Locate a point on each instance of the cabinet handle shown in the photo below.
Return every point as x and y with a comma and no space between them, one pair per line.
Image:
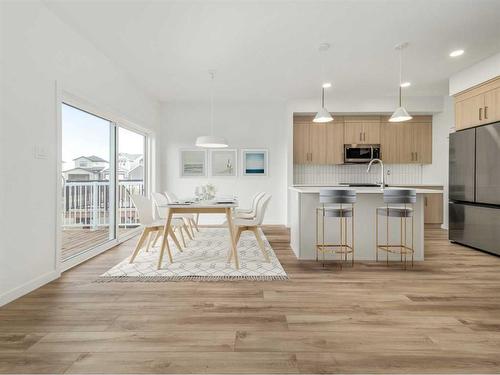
486,112
412,156
364,136
416,156
425,201
480,113
360,136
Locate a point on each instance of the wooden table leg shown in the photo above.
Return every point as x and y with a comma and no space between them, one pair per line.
232,239
164,242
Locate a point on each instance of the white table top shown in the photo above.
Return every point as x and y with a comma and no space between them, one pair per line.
204,204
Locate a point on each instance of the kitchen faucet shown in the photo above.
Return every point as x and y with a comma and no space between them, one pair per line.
382,182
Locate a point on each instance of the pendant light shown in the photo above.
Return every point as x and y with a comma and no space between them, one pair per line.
400,114
211,141
323,115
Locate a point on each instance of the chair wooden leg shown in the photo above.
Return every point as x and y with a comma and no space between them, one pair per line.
158,235
186,229
179,229
256,232
164,243
141,241
174,238
191,226
150,239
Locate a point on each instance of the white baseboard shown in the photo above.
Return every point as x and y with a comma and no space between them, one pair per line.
28,287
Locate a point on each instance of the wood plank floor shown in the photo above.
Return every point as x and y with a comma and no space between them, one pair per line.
441,317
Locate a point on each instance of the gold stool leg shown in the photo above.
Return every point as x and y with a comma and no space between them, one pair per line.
323,238
387,238
317,229
352,236
376,235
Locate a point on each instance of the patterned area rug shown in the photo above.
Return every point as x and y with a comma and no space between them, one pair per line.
204,259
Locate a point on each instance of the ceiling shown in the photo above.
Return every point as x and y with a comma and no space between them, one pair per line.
268,50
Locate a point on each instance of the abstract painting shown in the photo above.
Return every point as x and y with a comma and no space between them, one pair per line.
223,163
193,163
254,162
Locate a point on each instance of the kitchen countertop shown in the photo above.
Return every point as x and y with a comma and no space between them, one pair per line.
359,190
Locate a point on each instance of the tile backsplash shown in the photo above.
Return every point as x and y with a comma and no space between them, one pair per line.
356,173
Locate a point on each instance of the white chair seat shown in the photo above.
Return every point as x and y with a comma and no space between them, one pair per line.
244,215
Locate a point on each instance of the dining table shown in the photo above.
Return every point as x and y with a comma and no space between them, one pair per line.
200,207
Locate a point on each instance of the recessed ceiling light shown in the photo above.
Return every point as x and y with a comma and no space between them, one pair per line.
327,85
456,53
406,84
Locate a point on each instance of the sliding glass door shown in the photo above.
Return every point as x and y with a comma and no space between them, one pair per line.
103,165
131,177
87,181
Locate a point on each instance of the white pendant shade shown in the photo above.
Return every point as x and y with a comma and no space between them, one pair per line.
323,116
400,115
211,141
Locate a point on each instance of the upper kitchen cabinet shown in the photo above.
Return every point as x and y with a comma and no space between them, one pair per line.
478,106
362,130
407,142
317,143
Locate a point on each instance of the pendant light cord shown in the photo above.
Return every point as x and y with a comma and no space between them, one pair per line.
212,76
400,73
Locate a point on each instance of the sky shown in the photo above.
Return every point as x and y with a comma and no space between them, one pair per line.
84,134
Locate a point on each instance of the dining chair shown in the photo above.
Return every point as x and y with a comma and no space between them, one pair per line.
253,225
161,202
150,226
188,218
249,213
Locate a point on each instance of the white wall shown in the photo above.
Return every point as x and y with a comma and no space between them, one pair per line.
437,172
37,49
245,125
478,73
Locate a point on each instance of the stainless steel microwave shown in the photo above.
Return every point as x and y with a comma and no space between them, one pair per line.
361,153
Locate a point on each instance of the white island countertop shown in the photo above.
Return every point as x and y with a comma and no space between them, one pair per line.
359,190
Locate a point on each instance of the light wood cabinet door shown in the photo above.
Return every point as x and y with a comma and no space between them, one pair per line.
407,142
469,112
362,130
433,208
317,143
371,132
335,143
301,154
492,106
421,143
353,133
396,143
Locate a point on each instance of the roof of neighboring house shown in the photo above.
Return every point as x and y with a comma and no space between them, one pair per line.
90,170
92,158
130,157
137,166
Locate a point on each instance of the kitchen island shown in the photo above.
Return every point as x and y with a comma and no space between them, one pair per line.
305,200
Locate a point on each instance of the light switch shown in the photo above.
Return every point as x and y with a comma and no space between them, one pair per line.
41,152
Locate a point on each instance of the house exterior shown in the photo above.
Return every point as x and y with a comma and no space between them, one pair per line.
94,168
87,168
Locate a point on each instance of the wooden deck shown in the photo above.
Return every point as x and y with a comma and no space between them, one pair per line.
441,317
74,241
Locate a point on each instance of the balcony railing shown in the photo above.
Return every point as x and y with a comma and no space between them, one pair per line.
86,204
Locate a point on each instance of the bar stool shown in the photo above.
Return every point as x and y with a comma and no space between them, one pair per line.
405,197
327,198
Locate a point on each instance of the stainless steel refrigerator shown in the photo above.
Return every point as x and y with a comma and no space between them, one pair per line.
474,188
